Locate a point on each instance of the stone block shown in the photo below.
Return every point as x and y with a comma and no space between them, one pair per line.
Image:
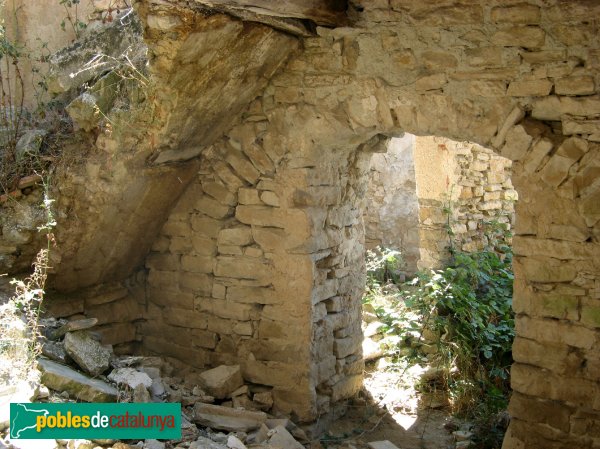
88,353
242,268
431,82
185,318
575,85
545,270
220,193
203,246
590,312
555,332
537,410
204,338
343,347
533,88
270,198
198,283
517,36
242,166
253,295
62,378
212,207
197,264
225,308
259,158
346,388
227,418
539,150
520,13
221,381
240,236
205,226
249,197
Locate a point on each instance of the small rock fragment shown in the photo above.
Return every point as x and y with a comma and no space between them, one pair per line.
130,377
234,442
153,444
140,394
280,437
75,325
384,444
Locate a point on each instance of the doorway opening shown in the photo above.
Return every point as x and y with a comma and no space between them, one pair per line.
437,315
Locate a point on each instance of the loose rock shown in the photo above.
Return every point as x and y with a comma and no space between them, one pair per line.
62,378
221,381
225,418
89,354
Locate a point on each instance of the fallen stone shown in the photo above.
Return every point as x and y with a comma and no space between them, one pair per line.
153,444
371,350
140,394
80,444
280,437
29,143
88,353
385,444
263,400
243,401
62,378
373,328
225,418
206,443
157,389
75,325
221,381
189,431
234,442
260,436
462,435
55,350
130,377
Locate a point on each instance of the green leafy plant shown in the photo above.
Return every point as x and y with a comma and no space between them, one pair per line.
458,319
71,18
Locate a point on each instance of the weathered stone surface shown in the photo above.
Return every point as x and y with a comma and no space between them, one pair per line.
130,377
56,351
221,381
74,325
62,378
87,352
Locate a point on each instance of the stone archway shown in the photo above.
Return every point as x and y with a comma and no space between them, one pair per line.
260,261
278,202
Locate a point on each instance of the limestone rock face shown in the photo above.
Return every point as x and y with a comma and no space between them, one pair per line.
87,352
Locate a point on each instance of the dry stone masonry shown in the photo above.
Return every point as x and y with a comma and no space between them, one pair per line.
252,251
422,185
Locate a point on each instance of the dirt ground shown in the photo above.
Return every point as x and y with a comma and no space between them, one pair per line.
391,409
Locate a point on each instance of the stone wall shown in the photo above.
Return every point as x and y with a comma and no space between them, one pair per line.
463,187
392,212
419,179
